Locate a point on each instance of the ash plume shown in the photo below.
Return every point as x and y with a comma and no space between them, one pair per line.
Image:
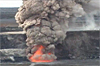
46,22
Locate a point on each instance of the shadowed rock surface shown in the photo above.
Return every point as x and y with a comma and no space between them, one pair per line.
77,45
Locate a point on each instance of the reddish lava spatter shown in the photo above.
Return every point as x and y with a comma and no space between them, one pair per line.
39,53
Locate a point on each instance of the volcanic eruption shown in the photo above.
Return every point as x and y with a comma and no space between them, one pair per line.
38,56
44,22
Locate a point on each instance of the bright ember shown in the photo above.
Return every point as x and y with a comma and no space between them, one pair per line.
38,54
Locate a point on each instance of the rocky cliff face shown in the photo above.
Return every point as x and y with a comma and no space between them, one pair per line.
77,45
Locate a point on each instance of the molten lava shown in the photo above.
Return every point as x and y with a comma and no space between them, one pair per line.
39,54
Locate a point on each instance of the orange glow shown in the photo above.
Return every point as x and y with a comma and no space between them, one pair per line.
39,52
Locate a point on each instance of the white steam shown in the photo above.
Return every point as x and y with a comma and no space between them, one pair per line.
90,22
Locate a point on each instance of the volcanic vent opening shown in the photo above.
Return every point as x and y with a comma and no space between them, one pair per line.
39,56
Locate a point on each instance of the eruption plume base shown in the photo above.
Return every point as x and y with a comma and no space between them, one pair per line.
39,53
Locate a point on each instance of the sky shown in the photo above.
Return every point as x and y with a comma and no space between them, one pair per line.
18,3
10,3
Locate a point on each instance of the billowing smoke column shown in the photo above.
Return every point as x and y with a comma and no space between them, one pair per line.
45,23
